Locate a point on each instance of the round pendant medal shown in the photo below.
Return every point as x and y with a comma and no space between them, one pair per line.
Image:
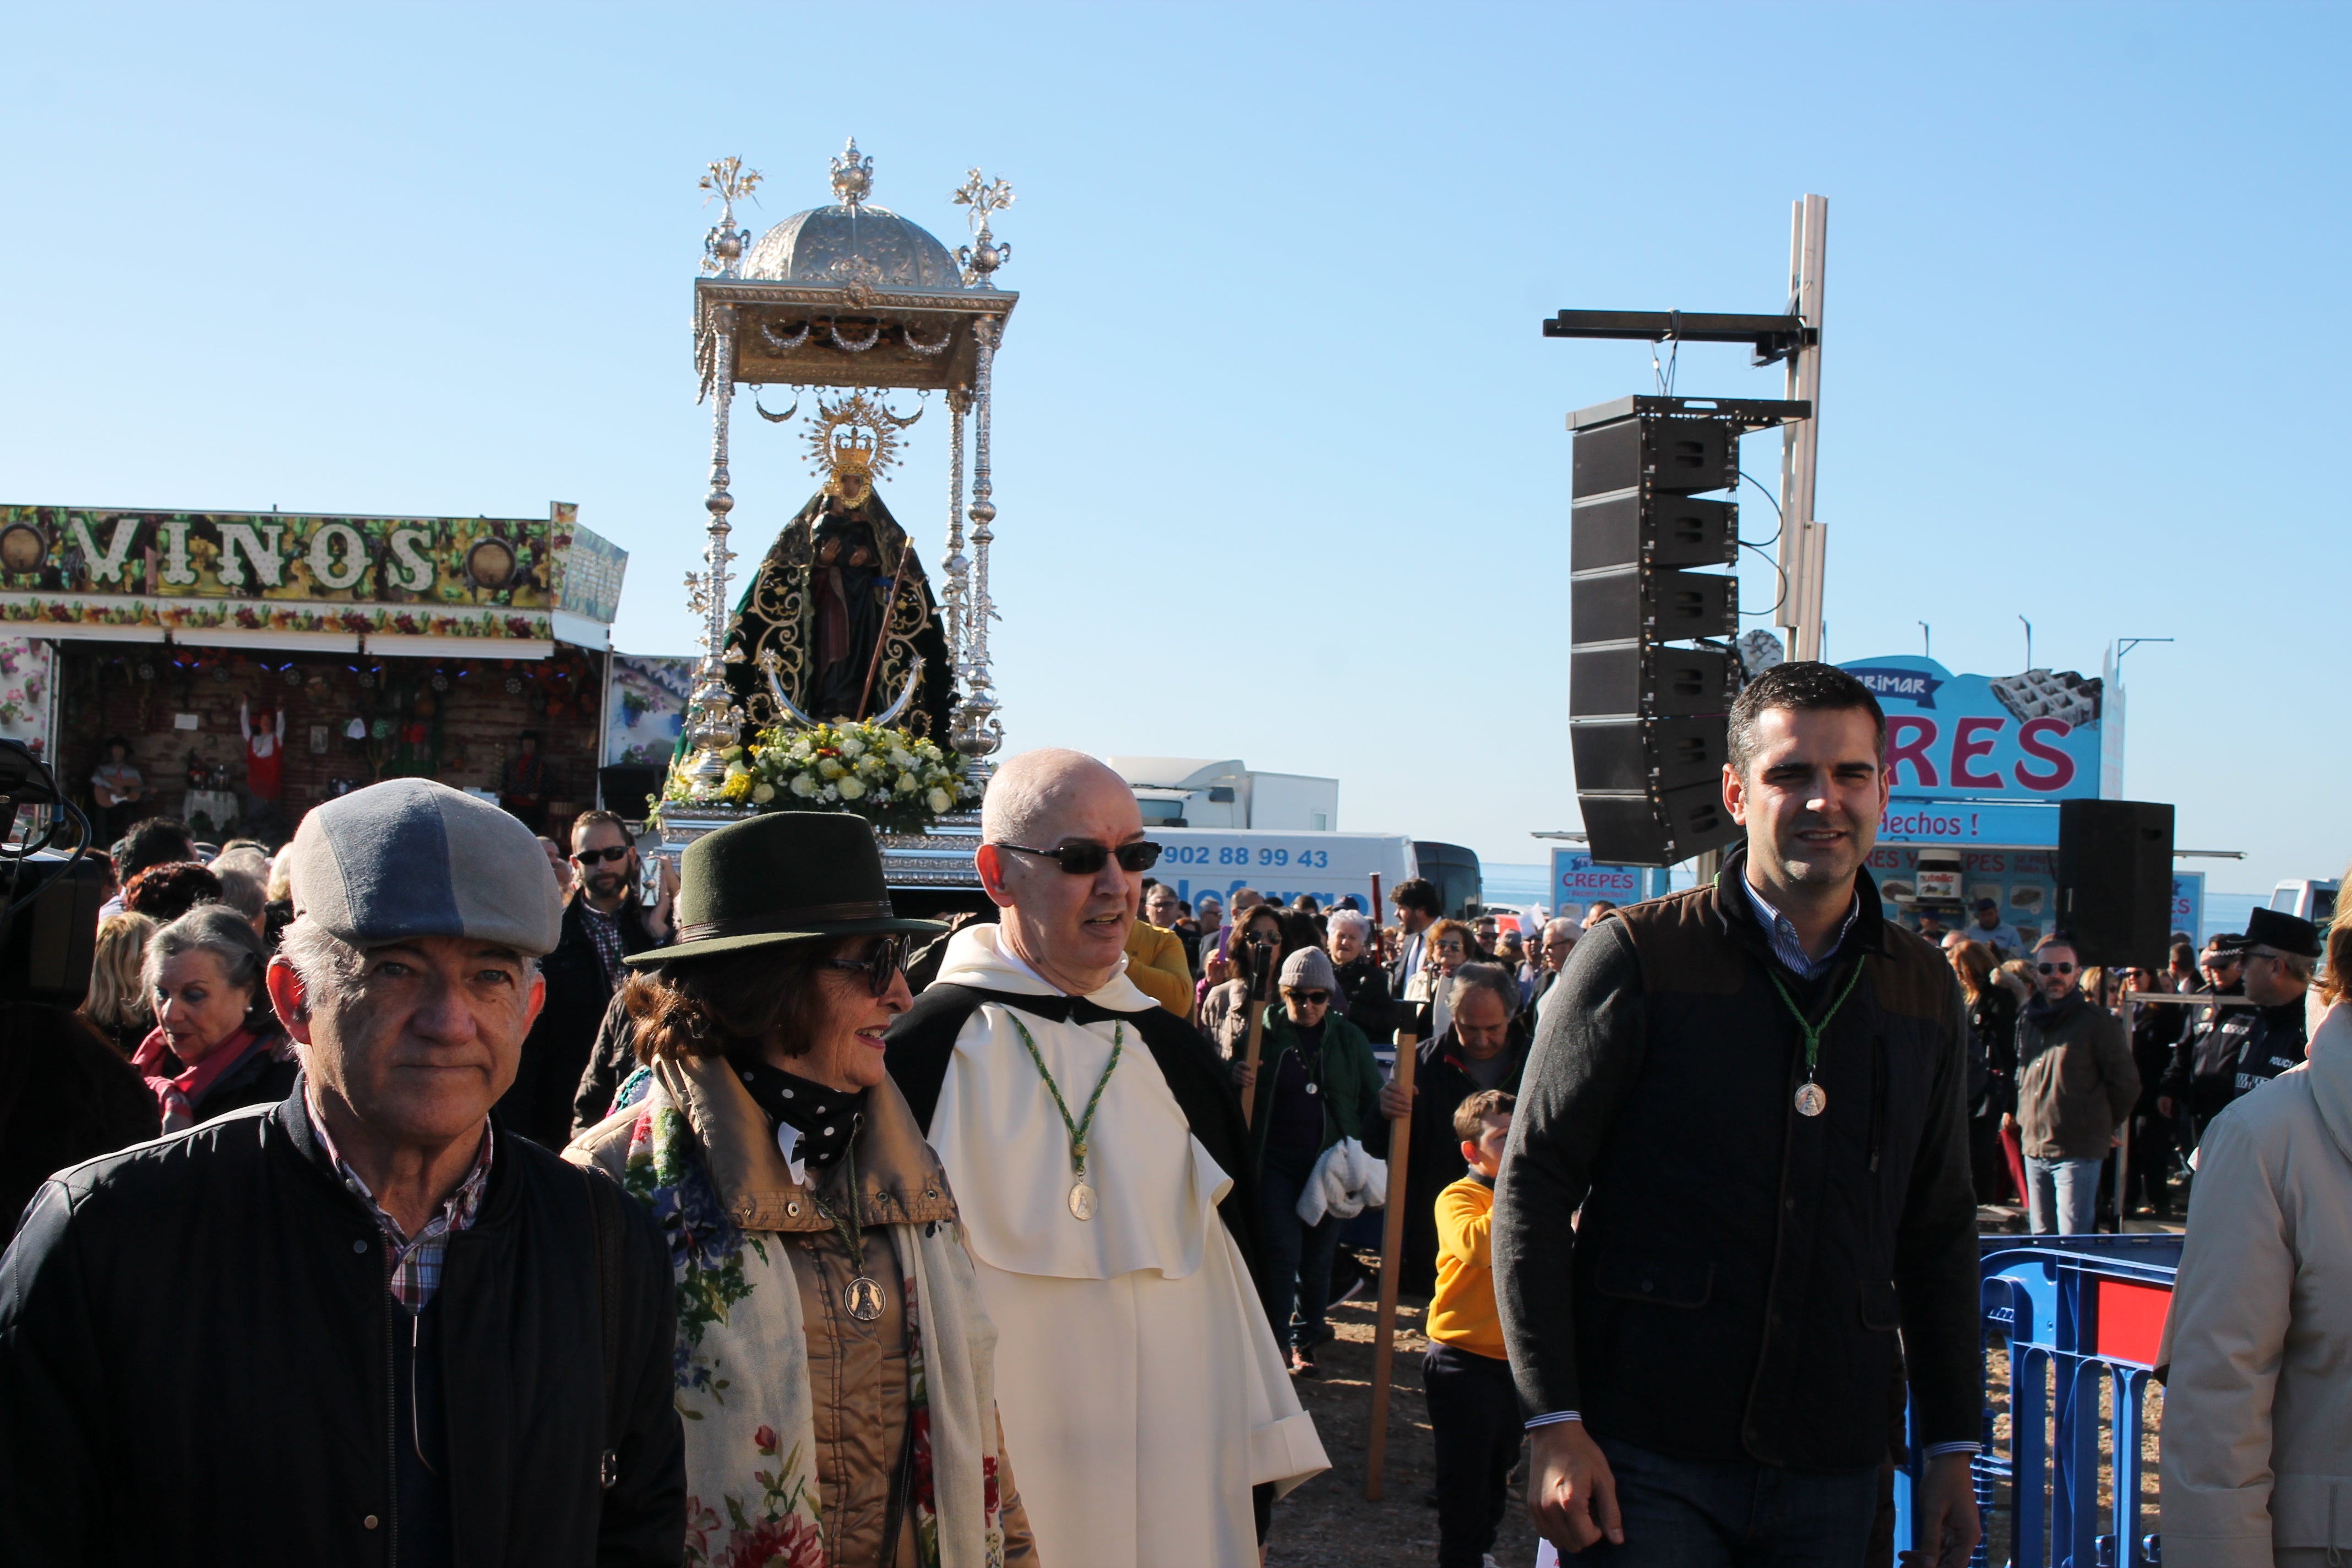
864,1299
1313,1088
1082,1202
1810,1099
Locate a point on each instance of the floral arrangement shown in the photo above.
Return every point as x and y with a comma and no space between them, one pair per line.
898,782
197,615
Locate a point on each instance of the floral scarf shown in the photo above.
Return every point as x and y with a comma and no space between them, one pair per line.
738,1314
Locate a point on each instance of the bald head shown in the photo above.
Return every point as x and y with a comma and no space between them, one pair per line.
1069,927
1034,790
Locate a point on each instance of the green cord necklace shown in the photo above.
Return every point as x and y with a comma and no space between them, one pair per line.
863,1295
1811,1098
1082,1196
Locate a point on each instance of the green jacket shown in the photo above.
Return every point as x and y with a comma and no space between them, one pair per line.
1348,1084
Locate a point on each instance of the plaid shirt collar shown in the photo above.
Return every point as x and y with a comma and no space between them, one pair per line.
413,1264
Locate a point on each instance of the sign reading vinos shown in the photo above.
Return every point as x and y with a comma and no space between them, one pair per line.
437,576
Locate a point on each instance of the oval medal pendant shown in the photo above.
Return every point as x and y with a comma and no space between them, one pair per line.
1313,1088
1810,1099
863,1297
1082,1202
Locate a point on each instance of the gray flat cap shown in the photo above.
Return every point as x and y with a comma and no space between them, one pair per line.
409,858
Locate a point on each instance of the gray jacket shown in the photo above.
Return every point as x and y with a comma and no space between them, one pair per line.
2257,1459
2075,1083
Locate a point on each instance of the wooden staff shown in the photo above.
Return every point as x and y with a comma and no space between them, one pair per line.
1261,961
1376,1451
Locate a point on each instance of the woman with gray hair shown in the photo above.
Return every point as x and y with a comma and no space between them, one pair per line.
1363,979
216,1045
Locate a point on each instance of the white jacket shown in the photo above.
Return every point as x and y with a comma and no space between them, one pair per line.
2257,1460
1345,1182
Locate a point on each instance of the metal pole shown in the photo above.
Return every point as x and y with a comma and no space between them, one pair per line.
1804,540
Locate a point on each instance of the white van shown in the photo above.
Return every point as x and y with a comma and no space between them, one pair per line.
2314,901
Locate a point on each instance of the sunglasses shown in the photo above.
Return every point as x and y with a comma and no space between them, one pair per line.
881,965
597,857
2056,968
1313,998
1085,859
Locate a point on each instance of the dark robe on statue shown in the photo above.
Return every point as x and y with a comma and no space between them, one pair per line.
821,600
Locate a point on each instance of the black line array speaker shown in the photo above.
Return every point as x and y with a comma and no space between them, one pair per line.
1646,718
2115,881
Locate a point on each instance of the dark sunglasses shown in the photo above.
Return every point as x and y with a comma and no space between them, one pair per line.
881,965
1319,998
1085,859
593,857
2057,968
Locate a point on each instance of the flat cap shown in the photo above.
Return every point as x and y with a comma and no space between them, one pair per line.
409,858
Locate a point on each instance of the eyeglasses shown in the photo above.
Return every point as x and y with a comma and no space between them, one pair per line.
2056,968
881,965
1313,998
1085,859
595,857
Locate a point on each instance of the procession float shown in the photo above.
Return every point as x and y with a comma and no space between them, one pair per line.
838,678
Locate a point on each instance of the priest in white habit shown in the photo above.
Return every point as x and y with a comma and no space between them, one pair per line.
1100,1163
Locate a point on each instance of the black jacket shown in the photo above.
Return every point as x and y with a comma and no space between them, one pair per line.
2154,1034
1370,1008
197,1357
557,1054
923,1040
610,1062
1992,1052
1734,1289
2275,1043
2182,1079
1440,1082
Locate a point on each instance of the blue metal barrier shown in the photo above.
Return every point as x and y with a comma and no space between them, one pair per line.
2091,1308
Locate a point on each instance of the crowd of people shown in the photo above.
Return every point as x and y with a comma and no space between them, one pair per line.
711,1212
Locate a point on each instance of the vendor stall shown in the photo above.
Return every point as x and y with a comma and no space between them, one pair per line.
251,665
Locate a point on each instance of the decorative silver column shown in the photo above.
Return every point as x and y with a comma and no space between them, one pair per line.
713,719
955,570
978,732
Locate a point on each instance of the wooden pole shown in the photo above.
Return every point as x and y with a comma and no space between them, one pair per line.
1261,960
1376,1446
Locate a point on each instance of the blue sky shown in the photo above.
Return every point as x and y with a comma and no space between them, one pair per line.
1280,455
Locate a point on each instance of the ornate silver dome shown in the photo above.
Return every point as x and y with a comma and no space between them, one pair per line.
852,244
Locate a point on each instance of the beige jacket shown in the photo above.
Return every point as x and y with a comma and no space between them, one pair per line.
856,1371
2257,1460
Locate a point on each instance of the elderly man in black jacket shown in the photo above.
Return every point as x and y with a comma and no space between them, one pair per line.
366,1325
1755,1090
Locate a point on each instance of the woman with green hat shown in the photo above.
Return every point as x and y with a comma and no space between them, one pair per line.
834,1366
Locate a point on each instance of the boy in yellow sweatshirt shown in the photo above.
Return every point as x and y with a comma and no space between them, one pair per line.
1473,1408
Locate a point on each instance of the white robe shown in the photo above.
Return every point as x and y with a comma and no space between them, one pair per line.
1141,1391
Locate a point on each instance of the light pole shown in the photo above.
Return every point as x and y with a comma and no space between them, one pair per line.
2029,640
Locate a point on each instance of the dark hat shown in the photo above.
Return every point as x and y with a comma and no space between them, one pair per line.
788,875
1984,904
2226,942
2287,933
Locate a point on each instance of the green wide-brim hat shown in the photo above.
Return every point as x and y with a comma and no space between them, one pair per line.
788,875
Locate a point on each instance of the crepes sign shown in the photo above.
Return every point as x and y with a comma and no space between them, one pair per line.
2035,736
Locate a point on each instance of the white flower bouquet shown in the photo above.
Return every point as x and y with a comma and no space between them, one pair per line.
898,782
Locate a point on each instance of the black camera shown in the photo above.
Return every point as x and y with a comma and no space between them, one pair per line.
48,901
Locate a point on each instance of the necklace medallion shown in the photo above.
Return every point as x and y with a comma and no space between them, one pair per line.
1810,1099
863,1298
1082,1202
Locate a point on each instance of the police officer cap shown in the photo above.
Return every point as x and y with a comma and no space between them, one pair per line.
2285,932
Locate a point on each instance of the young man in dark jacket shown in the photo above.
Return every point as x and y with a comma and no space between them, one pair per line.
605,921
364,1326
1755,1092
